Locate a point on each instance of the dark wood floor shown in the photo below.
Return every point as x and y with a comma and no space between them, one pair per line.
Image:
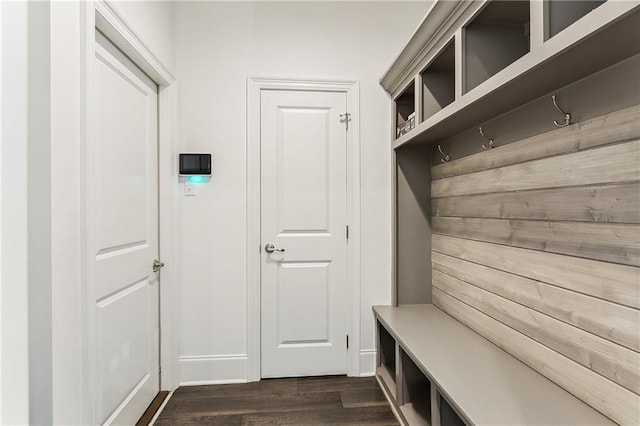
336,400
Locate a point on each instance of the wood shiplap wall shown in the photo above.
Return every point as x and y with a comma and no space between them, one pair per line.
536,246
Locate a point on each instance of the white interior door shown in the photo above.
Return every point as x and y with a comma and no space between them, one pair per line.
303,212
123,236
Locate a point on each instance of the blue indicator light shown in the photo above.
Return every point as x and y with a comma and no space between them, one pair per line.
196,179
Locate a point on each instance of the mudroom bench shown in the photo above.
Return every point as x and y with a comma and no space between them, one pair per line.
436,371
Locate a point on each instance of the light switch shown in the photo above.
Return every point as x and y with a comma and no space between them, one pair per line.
189,188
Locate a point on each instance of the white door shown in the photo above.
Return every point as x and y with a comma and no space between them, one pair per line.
122,198
303,212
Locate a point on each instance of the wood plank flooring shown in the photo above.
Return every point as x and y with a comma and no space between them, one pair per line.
331,400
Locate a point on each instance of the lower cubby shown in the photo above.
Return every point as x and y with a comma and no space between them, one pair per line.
415,393
386,365
448,416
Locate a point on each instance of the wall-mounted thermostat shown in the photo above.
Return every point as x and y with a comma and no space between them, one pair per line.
193,169
194,164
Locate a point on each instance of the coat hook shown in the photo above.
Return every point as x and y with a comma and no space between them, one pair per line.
567,116
446,156
489,139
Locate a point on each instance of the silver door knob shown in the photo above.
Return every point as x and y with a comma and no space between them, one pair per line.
270,248
157,265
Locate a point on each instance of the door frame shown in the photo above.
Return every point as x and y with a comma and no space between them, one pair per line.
102,16
352,91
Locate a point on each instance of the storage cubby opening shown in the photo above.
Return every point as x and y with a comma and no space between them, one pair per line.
448,416
562,13
415,401
387,350
438,82
494,39
406,111
412,255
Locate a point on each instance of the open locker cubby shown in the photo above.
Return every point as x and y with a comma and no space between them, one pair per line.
562,13
387,358
438,82
405,107
412,258
415,398
494,39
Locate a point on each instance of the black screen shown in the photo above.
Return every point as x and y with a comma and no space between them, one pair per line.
195,164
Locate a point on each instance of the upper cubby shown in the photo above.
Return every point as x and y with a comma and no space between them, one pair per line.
405,110
562,13
505,54
438,82
494,39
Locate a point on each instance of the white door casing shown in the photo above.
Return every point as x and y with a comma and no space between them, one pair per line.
303,204
122,235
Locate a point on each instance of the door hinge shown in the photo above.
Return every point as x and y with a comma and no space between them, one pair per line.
347,341
347,232
157,265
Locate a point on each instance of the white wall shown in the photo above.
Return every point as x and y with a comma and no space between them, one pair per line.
219,45
26,249
152,22
14,356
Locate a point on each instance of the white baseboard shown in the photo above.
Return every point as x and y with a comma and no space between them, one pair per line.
224,369
367,362
212,369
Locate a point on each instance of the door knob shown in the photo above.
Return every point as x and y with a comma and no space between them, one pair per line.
270,248
157,265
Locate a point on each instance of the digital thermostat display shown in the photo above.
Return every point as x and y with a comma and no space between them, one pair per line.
195,164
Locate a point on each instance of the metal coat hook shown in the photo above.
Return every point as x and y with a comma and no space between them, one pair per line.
489,139
567,116
446,156
345,118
